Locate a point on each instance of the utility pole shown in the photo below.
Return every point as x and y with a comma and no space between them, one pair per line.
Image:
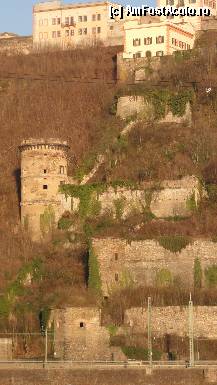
191,332
45,354
149,333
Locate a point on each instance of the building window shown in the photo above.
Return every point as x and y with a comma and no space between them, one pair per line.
45,187
58,33
111,27
72,20
160,39
40,22
98,29
159,53
93,17
94,30
45,171
98,17
148,54
54,35
84,18
136,42
61,169
58,20
80,31
62,182
53,21
40,35
82,325
85,31
116,256
72,32
188,46
147,40
67,32
137,55
169,2
116,277
45,35
67,20
80,18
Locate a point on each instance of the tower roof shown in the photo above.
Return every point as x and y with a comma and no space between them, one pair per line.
33,143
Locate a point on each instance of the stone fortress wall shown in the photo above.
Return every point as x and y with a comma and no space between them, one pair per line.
147,263
166,199
173,320
128,106
16,45
78,335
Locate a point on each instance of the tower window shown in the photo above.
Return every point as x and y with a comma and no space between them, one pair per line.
116,256
45,171
82,324
45,186
61,169
116,277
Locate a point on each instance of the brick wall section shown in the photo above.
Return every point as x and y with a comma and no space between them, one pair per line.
173,320
78,335
139,262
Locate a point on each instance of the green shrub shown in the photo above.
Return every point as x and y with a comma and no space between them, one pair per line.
212,192
191,203
119,208
197,273
112,329
138,353
65,223
94,280
164,278
174,243
211,276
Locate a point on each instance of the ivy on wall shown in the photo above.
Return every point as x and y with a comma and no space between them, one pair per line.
164,278
88,195
17,287
211,276
197,273
162,99
94,280
47,220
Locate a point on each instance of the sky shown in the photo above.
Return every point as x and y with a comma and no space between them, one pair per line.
16,15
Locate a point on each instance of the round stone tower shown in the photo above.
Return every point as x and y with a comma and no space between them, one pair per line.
43,170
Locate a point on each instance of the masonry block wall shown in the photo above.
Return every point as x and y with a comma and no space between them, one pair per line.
139,263
173,320
166,199
137,106
16,45
78,335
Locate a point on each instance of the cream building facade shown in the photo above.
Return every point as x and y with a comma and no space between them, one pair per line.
77,24
156,39
194,21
